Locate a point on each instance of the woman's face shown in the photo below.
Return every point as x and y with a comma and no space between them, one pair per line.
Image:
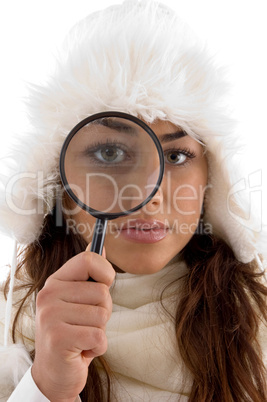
147,240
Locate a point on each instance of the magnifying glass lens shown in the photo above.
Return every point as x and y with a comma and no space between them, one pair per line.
112,165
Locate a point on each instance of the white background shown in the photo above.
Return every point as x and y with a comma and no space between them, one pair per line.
31,31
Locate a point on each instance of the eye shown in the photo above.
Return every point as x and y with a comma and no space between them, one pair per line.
178,156
175,157
110,153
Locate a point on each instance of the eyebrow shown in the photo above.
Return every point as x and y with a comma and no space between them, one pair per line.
172,136
117,125
122,126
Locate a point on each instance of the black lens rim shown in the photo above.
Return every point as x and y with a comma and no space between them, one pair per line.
95,213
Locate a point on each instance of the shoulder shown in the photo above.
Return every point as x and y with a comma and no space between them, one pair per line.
25,329
15,358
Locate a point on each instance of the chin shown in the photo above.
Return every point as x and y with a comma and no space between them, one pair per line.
141,259
140,266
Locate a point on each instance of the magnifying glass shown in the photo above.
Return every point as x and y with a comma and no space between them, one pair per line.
111,165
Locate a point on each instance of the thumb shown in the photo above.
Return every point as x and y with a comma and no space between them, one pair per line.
103,253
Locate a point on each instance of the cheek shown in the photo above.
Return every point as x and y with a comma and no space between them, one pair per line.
187,199
82,223
188,192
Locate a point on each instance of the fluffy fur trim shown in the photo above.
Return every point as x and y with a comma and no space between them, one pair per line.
14,362
141,59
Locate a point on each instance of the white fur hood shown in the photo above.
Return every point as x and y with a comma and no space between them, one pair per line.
137,58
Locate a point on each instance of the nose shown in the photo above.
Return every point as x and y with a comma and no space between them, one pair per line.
155,204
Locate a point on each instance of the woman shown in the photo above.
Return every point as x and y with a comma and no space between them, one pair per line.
184,317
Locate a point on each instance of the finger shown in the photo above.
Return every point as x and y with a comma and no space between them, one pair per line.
82,315
91,340
61,292
96,294
86,265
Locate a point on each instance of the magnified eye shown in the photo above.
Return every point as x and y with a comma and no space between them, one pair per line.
175,157
110,153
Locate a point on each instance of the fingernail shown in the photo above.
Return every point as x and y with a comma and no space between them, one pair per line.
88,247
104,252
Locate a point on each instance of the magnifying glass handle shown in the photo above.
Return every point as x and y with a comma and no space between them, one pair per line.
99,236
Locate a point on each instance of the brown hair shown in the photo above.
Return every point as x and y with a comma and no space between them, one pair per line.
217,323
217,320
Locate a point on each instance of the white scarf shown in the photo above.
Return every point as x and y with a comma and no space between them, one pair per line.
142,348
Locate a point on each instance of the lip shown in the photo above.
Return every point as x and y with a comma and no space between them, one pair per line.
143,231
